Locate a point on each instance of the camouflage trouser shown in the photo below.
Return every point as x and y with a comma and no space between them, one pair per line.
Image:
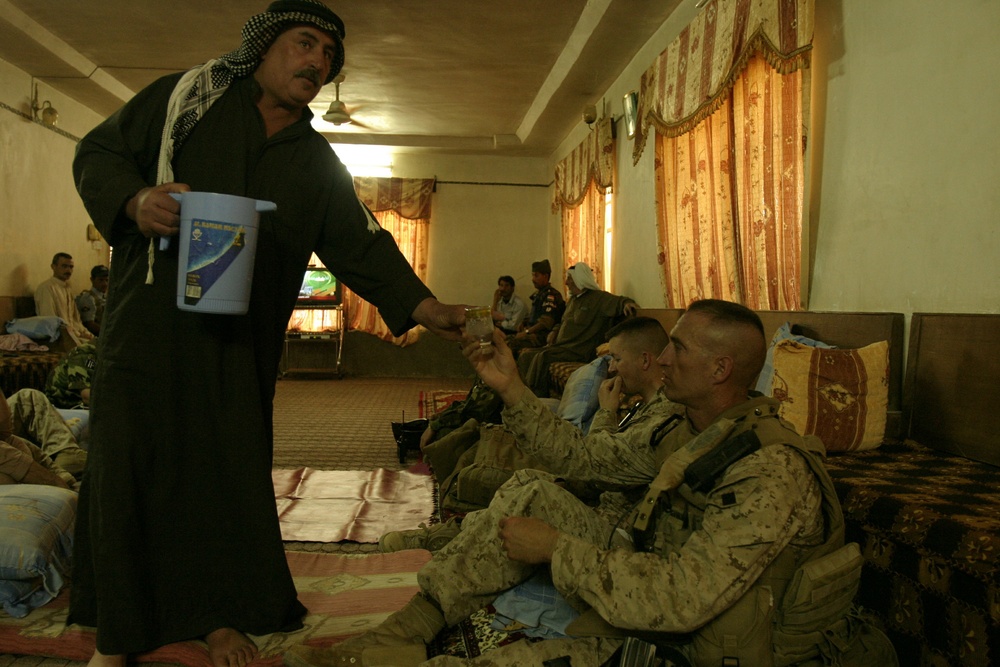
35,419
582,652
472,569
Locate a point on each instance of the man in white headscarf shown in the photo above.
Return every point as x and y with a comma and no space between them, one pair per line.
177,535
590,312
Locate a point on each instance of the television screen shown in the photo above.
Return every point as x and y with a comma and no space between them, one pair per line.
320,289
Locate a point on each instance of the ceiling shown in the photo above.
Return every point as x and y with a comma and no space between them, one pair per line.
467,76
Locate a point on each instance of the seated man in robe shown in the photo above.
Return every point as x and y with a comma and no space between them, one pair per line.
54,297
589,314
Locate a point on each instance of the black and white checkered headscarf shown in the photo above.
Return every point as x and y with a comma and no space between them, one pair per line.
201,86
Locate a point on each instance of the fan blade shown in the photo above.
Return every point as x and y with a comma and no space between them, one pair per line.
363,125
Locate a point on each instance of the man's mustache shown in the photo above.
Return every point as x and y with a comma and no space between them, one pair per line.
309,73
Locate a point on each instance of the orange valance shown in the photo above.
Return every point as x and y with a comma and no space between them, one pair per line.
593,160
691,78
410,198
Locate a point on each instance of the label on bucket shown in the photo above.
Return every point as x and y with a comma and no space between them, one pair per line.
213,247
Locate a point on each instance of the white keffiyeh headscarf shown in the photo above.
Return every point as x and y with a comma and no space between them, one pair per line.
582,277
200,87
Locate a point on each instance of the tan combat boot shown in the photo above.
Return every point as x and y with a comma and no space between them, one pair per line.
431,538
400,640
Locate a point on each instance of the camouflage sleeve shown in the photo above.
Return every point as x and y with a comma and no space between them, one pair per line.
604,455
604,421
71,376
14,463
762,504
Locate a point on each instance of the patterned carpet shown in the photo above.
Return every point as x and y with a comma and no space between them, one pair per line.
345,595
322,424
433,402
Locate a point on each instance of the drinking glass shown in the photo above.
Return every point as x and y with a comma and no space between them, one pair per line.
479,324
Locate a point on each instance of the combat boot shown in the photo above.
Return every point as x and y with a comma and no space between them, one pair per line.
400,640
432,538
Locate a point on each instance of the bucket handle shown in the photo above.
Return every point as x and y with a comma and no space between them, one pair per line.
261,206
165,240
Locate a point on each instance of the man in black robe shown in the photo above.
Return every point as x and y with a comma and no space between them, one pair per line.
177,535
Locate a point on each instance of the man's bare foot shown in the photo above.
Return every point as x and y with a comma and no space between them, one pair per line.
230,648
101,660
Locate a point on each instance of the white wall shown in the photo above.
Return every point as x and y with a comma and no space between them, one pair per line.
40,212
904,205
489,219
635,271
906,202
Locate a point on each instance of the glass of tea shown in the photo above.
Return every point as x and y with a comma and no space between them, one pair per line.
479,324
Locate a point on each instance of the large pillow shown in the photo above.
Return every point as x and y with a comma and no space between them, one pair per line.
784,332
579,399
36,543
41,327
839,395
78,422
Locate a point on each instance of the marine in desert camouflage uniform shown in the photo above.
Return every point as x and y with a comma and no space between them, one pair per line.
28,416
689,572
68,384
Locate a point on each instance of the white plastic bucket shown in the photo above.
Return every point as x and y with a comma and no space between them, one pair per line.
218,240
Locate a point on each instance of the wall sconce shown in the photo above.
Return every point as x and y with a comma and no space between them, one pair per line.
589,114
44,112
629,107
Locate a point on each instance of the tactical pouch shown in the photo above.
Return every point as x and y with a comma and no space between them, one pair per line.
443,454
740,636
494,459
813,616
475,487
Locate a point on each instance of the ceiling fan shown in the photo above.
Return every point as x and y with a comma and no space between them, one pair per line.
338,113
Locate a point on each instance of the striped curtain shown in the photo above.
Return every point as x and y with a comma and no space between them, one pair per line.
403,207
725,100
582,179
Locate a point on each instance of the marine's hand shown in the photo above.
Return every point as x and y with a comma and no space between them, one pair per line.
496,366
630,308
609,392
528,540
155,212
443,319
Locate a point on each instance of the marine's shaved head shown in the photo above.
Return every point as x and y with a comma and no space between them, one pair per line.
736,332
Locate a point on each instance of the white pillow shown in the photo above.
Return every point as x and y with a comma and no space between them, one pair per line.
579,399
